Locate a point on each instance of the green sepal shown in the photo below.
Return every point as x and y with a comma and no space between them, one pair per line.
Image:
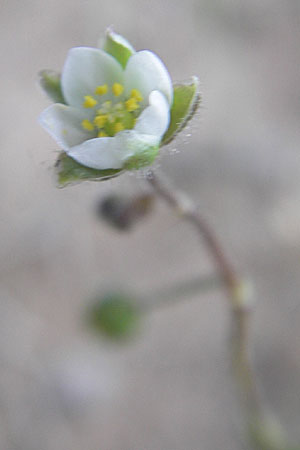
50,82
141,159
114,315
70,171
185,103
118,47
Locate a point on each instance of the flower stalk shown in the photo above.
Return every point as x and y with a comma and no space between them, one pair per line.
264,432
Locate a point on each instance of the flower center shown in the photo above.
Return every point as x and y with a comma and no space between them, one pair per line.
112,116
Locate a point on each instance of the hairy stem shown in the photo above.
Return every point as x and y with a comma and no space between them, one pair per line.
264,432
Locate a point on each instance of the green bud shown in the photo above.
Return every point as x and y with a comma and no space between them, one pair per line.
50,82
118,47
70,171
115,316
185,104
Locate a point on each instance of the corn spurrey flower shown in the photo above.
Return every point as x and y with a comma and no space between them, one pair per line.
114,108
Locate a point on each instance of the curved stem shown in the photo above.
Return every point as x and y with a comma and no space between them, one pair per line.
187,209
265,434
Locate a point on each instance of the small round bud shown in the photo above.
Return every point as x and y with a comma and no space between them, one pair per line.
114,315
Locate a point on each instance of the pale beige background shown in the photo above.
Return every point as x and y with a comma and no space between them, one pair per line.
62,389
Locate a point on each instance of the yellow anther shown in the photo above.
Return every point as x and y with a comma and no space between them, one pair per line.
100,120
117,89
87,125
131,104
101,90
89,101
102,134
135,93
118,127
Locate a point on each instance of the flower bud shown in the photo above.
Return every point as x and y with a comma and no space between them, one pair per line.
114,315
122,212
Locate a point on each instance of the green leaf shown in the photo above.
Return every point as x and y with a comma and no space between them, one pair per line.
50,82
185,104
118,47
70,171
114,315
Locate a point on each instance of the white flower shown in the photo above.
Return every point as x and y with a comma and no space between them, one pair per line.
113,114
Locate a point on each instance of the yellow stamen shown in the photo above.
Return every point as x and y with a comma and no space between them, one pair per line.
131,104
87,125
135,93
102,134
89,101
117,89
101,90
118,127
100,120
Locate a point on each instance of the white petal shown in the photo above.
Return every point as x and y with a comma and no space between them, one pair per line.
112,152
85,69
63,123
99,153
155,118
132,142
147,73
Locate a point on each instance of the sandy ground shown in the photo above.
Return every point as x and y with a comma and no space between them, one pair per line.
171,389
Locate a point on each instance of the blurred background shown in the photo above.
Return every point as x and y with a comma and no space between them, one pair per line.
62,387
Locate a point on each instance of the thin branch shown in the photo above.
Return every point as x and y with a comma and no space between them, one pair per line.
171,295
